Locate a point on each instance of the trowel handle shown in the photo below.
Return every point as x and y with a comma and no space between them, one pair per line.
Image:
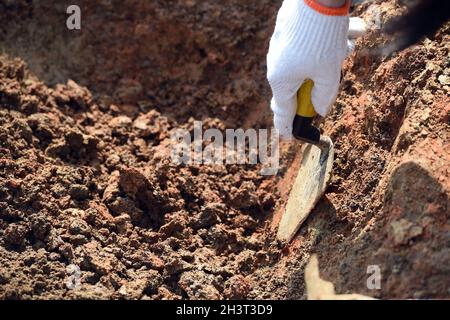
302,128
305,107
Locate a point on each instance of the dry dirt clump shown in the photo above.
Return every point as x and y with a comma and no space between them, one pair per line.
91,205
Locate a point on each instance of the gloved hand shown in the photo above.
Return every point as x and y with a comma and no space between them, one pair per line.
309,42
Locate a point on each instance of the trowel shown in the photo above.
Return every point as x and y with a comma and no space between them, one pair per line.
315,169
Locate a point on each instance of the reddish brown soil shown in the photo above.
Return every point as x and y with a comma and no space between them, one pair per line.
87,181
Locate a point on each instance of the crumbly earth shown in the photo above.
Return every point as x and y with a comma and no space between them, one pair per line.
92,207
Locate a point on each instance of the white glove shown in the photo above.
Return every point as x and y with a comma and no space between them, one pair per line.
309,42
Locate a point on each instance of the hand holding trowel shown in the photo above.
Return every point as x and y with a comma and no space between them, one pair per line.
310,41
315,170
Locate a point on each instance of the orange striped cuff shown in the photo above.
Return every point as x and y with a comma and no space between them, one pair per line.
342,11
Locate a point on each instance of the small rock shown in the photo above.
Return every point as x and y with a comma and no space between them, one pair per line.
133,181
123,223
40,228
53,240
426,115
199,285
149,260
246,222
79,226
66,251
4,277
246,261
146,283
121,122
236,288
54,256
206,218
15,234
154,282
444,80
166,294
174,226
148,125
404,231
176,265
78,239
79,192
101,263
133,290
245,196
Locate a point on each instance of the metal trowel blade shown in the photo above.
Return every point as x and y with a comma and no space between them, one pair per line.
309,186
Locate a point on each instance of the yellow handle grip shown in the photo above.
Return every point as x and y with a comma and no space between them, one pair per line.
305,107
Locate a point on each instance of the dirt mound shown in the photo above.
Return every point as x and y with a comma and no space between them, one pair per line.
95,189
91,205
